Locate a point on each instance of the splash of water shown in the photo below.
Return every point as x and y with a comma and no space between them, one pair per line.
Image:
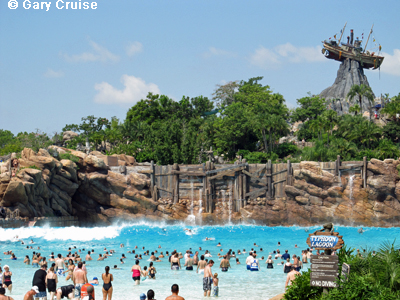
200,201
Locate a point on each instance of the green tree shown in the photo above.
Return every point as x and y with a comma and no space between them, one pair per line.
361,91
355,109
310,108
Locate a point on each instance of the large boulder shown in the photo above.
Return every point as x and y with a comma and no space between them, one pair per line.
69,135
14,194
29,158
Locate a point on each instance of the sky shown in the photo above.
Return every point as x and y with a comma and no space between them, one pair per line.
58,65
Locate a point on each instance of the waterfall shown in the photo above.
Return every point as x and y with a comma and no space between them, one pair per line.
230,201
351,183
200,201
223,199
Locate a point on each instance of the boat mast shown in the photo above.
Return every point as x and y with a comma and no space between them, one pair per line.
342,33
365,48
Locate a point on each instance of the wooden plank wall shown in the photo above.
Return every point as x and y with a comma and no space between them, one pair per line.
230,183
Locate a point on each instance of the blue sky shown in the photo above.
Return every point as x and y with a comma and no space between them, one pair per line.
60,65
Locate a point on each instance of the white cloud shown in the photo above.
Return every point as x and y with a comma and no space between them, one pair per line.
270,58
212,51
264,58
134,48
50,73
135,90
391,63
99,53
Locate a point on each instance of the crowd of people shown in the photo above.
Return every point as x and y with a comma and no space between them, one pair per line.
72,266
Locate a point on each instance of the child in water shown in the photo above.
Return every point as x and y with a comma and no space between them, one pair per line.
215,289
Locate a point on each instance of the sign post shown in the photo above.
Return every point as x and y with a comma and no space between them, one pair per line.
324,268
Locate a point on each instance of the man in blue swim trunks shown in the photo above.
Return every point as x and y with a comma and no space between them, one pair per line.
60,265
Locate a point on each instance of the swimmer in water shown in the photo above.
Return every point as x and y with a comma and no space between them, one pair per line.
219,245
360,231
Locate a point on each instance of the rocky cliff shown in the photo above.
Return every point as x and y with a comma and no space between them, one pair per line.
89,190
350,73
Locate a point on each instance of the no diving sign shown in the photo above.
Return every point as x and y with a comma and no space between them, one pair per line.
324,283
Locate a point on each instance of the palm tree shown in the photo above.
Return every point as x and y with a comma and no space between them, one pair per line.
361,90
355,109
331,118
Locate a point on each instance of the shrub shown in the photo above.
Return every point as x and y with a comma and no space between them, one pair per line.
286,149
70,156
301,289
260,157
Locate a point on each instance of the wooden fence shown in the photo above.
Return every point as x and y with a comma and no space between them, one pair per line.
243,181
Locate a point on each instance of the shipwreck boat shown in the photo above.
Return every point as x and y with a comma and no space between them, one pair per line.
352,50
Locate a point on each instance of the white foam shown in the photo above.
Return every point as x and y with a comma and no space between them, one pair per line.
65,233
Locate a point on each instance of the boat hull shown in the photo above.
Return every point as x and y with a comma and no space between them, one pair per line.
340,54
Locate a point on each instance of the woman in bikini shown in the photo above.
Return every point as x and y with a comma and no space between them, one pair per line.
107,286
70,270
7,283
51,282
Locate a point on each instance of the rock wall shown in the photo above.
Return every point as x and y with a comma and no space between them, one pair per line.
350,73
96,195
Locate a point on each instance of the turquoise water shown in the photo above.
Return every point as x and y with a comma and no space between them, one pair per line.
237,283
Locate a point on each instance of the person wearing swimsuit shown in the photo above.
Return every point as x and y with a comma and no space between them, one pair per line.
136,271
152,271
7,283
175,262
107,286
287,267
51,282
270,262
70,270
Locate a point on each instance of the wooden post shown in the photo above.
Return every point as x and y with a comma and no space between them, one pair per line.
152,175
337,165
289,173
155,193
269,178
365,164
175,184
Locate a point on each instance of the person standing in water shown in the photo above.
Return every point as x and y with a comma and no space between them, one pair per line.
7,283
291,276
174,291
107,286
189,264
215,290
136,272
224,265
201,265
208,279
51,282
269,262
